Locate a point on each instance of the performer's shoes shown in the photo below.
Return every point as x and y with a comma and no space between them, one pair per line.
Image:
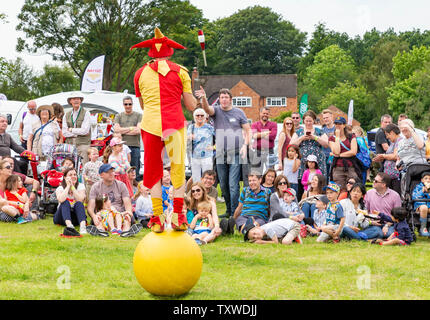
179,222
156,223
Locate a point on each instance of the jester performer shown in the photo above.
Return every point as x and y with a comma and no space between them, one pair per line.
159,85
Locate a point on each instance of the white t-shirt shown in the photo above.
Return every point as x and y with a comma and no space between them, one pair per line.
71,198
28,121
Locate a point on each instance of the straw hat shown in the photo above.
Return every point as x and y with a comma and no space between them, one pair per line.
45,107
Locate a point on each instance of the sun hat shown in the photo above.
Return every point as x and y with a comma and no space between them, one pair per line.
312,158
75,95
115,141
45,107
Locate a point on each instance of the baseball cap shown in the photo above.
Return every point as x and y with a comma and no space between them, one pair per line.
340,120
324,199
332,186
105,168
291,191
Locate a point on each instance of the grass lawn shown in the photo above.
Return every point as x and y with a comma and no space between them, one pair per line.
34,260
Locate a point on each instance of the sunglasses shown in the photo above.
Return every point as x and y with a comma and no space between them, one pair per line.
128,104
350,182
375,181
7,167
282,183
196,190
200,115
289,123
295,118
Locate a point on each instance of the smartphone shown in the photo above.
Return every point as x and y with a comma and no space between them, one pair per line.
197,84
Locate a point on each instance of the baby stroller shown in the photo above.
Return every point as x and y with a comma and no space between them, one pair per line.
53,177
410,179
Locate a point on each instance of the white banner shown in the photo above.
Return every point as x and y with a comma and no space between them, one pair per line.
93,75
350,112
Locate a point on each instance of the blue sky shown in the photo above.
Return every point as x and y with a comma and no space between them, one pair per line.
351,16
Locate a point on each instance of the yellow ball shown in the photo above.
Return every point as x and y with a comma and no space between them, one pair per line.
167,263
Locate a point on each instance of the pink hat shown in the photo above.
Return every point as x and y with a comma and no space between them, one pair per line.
115,141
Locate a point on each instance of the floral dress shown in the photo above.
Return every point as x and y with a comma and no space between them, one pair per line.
308,147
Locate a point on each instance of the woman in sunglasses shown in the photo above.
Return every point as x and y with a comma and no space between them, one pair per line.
281,185
6,215
199,194
284,140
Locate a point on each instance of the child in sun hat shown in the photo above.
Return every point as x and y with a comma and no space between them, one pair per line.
120,163
311,171
335,218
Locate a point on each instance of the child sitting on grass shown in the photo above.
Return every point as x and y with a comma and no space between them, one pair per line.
319,216
105,213
143,210
202,223
335,218
422,191
290,207
18,200
402,234
283,231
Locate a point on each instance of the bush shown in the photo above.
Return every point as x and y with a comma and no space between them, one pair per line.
282,116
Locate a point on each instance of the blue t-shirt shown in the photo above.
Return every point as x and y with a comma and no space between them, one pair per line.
203,141
255,204
165,196
334,213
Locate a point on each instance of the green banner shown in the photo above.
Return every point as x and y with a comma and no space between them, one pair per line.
303,106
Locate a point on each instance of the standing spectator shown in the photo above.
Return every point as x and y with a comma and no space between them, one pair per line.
7,144
382,199
292,165
201,134
90,171
264,134
119,163
58,117
127,123
311,140
401,117
26,124
389,158
254,203
344,148
76,125
295,116
231,125
45,133
328,129
411,148
381,141
311,170
363,144
284,140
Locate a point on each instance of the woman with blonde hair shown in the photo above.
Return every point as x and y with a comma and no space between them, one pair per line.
284,140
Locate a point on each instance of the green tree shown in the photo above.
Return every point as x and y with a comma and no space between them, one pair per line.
55,79
341,95
257,40
76,31
331,66
406,62
16,80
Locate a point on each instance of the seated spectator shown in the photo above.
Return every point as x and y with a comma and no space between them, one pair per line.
5,172
199,194
119,197
107,215
32,185
357,226
319,216
254,202
202,223
19,203
351,181
283,231
71,211
309,198
143,210
410,149
131,173
422,192
268,178
402,234
382,199
310,172
335,218
208,180
90,171
277,197
290,207
67,163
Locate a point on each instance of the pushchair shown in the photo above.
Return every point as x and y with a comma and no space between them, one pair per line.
410,179
52,177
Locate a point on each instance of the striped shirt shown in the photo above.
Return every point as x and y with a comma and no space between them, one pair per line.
255,204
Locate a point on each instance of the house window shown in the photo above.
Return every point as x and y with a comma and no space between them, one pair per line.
276,102
242,102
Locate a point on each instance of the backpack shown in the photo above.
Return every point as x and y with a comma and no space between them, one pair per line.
362,156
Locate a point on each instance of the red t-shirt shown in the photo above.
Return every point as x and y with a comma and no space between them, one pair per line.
347,143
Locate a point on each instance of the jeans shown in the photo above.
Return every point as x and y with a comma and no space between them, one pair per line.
295,186
229,175
308,209
65,212
373,232
135,161
347,232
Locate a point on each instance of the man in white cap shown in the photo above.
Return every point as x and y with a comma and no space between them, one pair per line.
76,125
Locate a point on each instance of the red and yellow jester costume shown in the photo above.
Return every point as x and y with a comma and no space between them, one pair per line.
159,85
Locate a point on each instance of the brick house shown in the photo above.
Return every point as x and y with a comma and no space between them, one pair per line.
337,112
251,92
